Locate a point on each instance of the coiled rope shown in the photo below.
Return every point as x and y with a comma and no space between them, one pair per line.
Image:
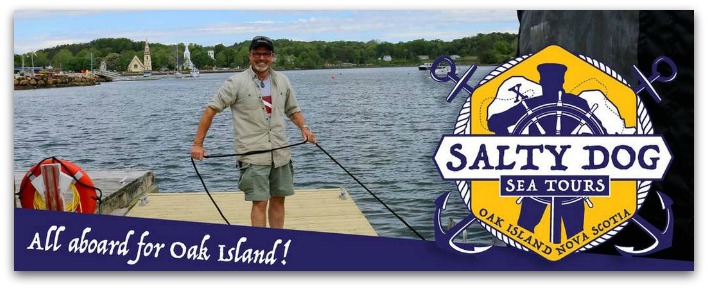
72,206
292,145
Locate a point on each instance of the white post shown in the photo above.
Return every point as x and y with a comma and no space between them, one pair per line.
52,194
32,57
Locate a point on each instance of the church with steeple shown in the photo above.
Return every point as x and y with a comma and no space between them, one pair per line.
145,66
187,58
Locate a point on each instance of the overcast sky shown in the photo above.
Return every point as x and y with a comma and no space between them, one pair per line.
38,29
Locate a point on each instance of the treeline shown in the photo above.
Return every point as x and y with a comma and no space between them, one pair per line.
492,48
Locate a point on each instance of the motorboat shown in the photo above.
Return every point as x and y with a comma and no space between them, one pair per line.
442,70
425,66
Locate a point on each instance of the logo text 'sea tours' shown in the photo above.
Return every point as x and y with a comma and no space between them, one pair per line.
553,153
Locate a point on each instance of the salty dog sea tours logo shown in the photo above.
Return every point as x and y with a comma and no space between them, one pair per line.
552,153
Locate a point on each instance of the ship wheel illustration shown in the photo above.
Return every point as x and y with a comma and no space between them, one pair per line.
550,119
554,113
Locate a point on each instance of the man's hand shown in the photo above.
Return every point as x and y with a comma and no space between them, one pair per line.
308,135
198,152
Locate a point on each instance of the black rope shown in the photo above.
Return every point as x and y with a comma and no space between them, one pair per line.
232,155
209,194
19,193
374,195
255,152
99,199
324,151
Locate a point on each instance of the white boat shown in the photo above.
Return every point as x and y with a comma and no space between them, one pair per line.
425,66
442,70
194,72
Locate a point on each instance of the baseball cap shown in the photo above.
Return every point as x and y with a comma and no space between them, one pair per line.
261,40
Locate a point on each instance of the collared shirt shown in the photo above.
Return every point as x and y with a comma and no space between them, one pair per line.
252,129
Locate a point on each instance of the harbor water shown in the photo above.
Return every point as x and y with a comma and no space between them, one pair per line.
382,124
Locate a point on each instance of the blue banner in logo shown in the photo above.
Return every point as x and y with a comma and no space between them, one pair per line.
554,186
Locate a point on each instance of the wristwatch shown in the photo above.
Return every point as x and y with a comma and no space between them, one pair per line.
305,126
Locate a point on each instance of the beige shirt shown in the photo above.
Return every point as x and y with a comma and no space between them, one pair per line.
252,129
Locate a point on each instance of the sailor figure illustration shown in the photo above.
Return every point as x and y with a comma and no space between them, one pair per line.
553,112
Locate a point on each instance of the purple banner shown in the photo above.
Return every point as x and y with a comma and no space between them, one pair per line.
46,240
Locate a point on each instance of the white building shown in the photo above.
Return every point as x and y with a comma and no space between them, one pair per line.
187,58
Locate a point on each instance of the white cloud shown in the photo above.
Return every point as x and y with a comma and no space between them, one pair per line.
364,25
45,41
308,20
262,22
224,29
442,35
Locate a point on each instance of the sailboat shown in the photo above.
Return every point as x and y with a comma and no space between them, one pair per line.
177,68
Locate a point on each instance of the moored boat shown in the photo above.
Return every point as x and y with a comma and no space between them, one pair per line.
425,66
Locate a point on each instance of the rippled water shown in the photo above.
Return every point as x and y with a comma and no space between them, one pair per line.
382,124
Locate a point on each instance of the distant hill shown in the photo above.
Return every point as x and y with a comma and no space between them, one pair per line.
489,48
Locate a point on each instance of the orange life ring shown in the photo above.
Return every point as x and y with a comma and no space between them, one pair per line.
31,198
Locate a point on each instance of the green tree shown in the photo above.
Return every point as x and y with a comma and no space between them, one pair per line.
241,57
201,58
490,48
125,57
113,62
160,59
40,59
17,60
62,58
221,59
219,48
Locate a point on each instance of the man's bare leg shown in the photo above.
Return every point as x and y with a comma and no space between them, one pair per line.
258,213
276,212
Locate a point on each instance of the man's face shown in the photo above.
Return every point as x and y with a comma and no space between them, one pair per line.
261,58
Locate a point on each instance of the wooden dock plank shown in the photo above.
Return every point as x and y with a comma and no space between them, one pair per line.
312,210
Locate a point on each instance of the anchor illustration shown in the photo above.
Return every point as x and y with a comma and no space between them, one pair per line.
662,238
460,81
446,239
646,83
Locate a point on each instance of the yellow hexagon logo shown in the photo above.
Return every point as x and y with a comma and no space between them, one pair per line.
554,153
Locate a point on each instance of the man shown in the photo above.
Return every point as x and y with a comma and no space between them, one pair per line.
259,98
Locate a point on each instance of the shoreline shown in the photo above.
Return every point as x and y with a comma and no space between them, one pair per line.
42,81
39,81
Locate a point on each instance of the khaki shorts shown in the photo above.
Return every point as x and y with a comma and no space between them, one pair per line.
260,183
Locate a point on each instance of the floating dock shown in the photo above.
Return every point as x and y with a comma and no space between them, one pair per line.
135,194
322,210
